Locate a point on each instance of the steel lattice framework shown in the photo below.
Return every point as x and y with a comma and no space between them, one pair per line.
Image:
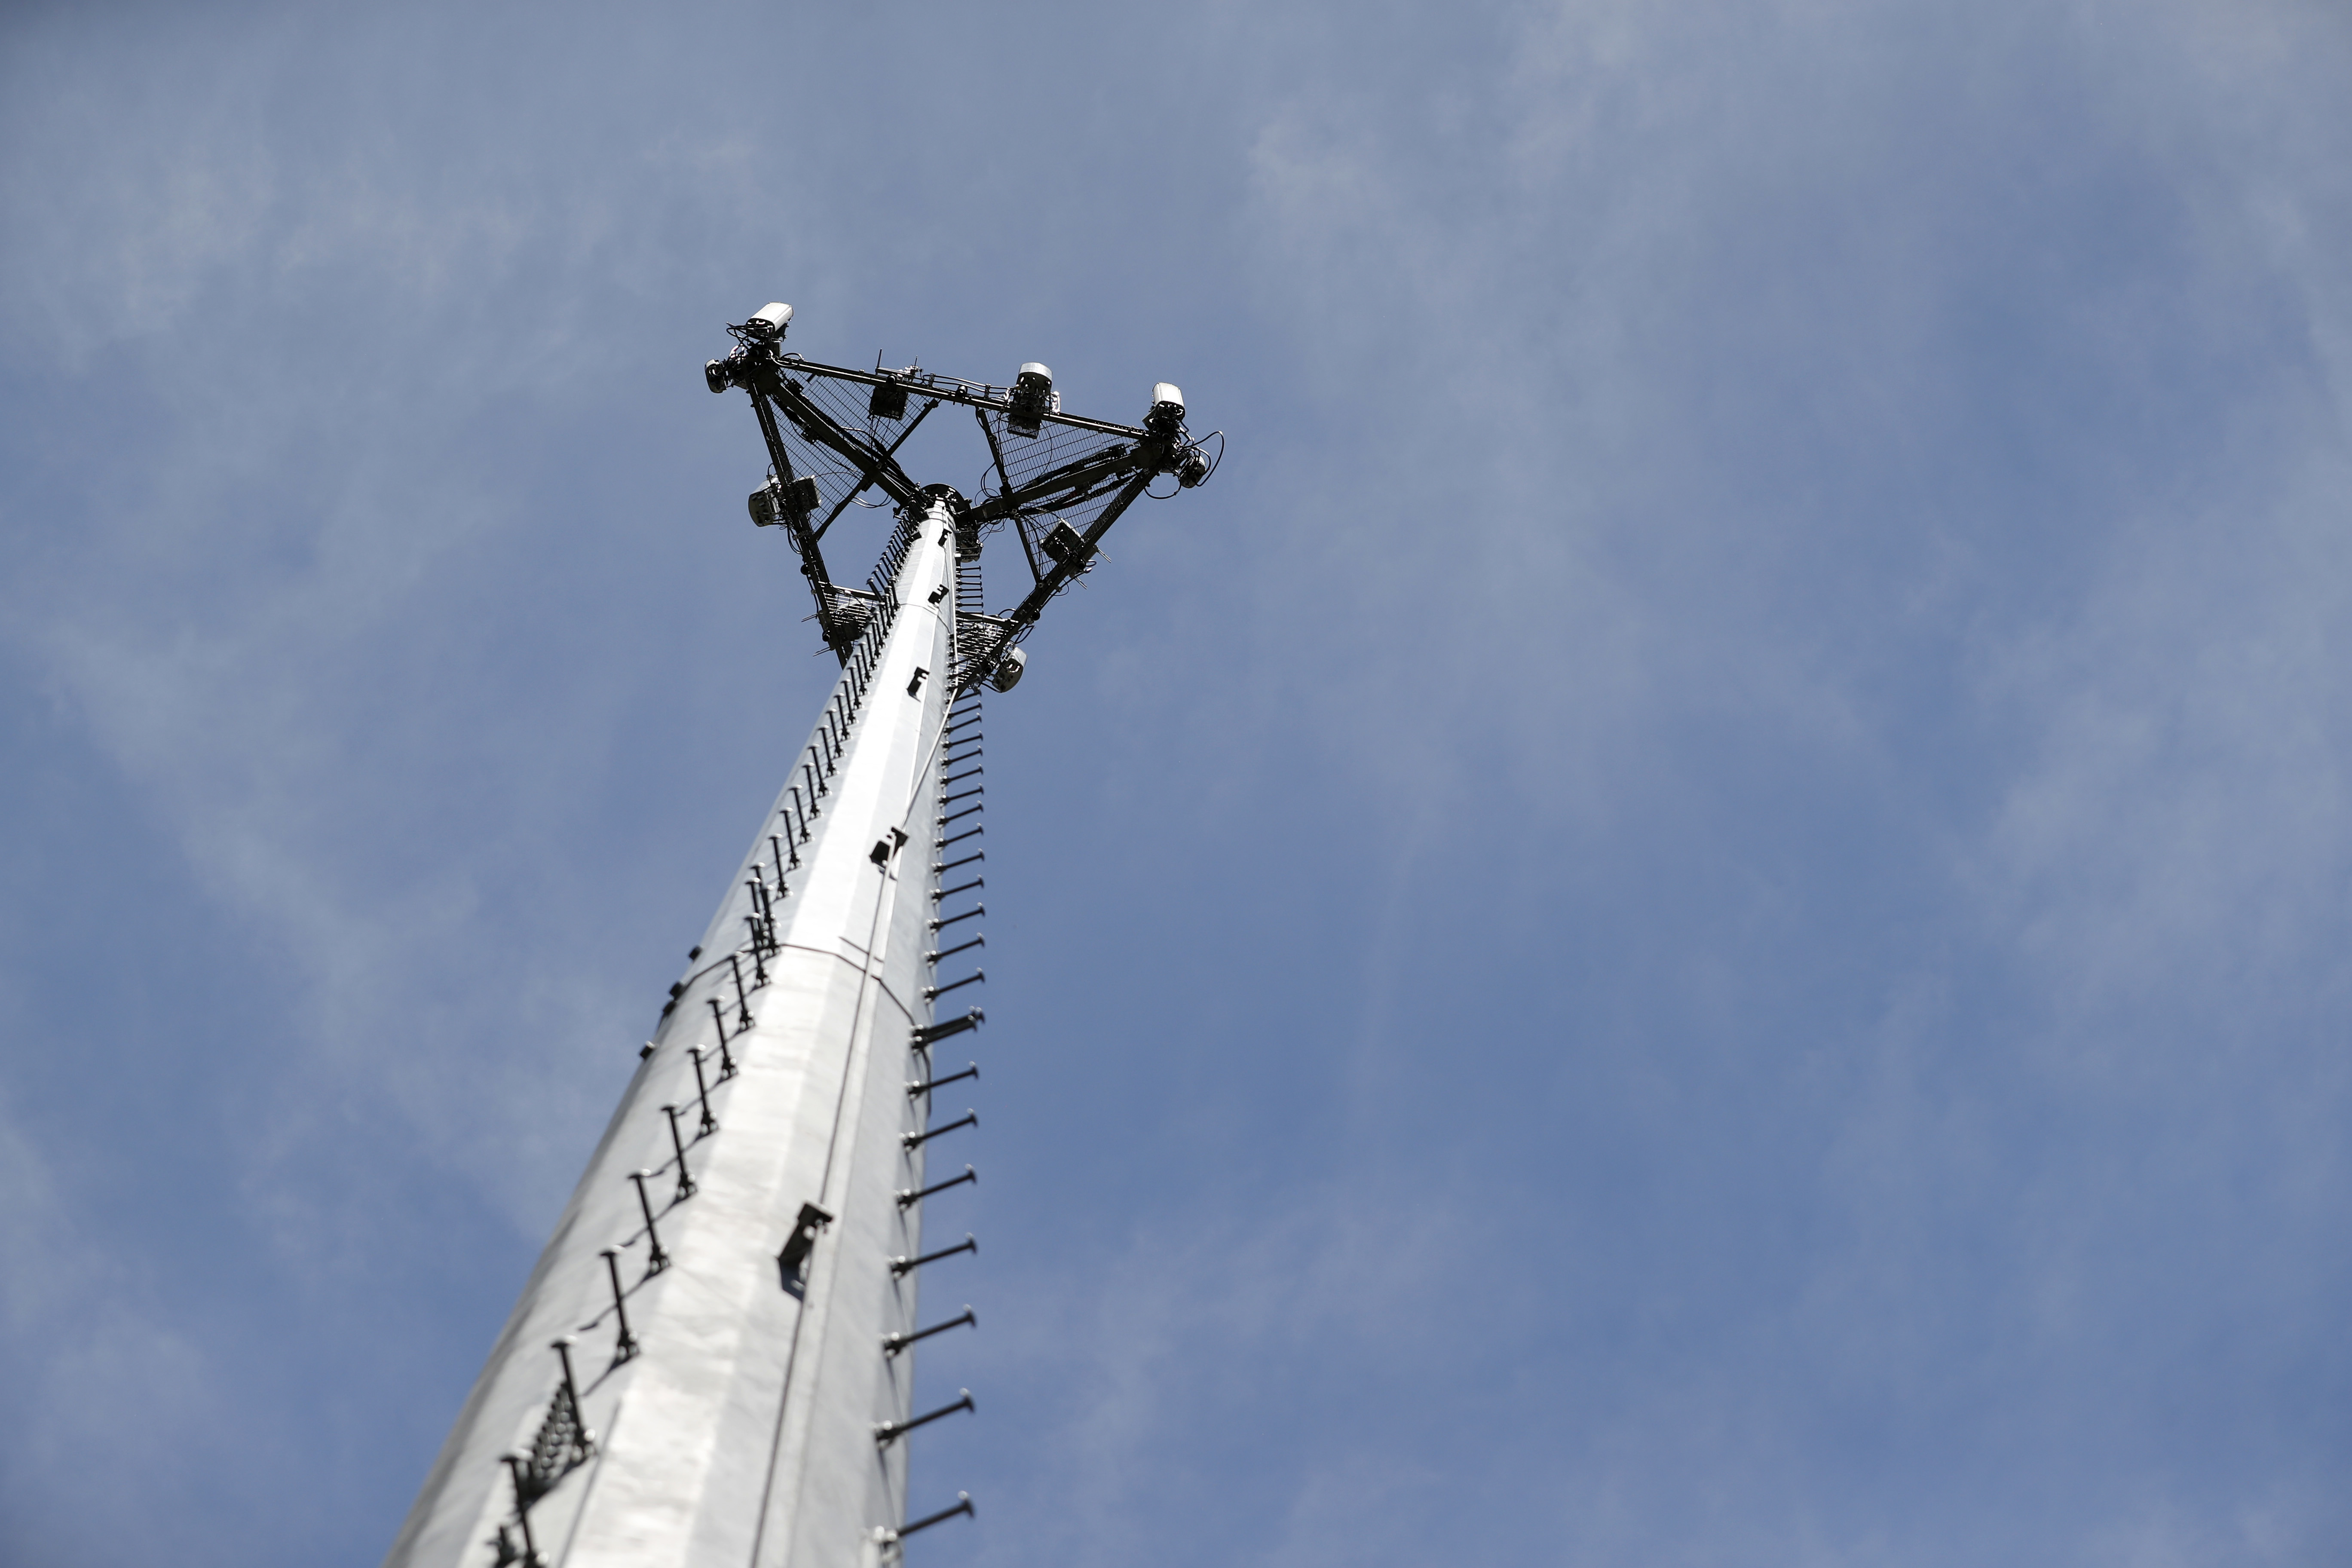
1060,481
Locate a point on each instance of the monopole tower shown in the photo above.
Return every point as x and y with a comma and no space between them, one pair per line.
711,1365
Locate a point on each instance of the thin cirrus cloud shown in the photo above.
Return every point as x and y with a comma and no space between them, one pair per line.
1691,916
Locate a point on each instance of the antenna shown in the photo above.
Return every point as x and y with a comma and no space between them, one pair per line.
734,1310
1060,481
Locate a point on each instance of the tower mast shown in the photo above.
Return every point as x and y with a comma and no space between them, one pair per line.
712,1364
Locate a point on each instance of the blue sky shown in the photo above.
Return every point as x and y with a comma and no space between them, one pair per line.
1697,915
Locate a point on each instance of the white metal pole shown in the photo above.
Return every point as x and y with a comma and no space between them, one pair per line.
737,1423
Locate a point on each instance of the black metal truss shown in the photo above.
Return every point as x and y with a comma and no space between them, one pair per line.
1060,494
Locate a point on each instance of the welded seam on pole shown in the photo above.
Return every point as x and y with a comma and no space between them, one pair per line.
866,982
859,1053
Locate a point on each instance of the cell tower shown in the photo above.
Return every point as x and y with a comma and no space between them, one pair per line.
712,1365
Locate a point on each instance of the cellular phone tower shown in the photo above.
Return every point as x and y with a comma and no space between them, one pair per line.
712,1365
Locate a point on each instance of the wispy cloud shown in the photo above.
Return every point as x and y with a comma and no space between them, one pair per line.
1726,827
